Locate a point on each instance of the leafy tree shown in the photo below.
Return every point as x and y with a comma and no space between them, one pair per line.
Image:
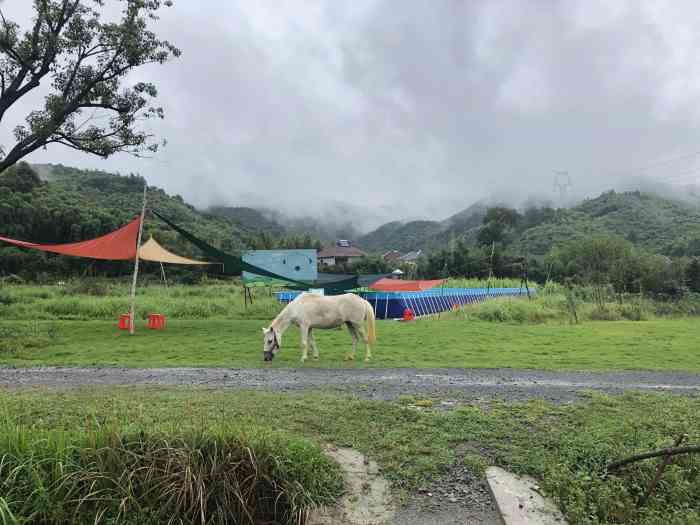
87,60
693,275
499,224
371,264
491,232
507,217
265,240
21,178
534,216
595,261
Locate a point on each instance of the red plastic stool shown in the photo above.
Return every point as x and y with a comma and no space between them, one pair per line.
124,321
408,315
156,321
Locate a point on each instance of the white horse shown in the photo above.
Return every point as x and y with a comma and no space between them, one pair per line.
309,311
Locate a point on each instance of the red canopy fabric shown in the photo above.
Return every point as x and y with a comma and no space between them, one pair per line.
397,285
120,245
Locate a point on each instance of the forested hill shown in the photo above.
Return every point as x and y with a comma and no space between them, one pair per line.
656,224
71,204
650,222
425,235
58,204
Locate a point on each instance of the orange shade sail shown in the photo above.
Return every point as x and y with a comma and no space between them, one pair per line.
120,245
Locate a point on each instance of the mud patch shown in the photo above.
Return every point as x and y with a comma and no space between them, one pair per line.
367,500
458,497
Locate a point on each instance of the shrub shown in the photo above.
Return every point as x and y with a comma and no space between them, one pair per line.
504,310
203,479
6,298
93,287
604,312
16,339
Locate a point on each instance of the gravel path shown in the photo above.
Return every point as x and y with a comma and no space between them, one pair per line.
386,384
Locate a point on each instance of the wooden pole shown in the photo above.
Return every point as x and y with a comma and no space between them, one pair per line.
136,265
162,272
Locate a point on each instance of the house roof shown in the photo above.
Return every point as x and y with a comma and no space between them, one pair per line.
340,251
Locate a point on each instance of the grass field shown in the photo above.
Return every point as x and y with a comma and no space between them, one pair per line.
602,345
411,445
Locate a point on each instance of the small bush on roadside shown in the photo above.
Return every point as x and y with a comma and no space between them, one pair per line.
14,339
202,479
6,298
507,310
605,312
92,287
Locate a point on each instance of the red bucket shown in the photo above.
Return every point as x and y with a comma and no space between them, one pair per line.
124,321
156,321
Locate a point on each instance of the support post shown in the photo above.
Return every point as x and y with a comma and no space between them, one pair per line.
136,265
162,272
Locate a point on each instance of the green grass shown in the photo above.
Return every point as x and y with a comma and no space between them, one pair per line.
601,345
102,299
565,446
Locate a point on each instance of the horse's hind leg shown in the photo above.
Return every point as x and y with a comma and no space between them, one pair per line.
314,348
363,334
304,342
353,334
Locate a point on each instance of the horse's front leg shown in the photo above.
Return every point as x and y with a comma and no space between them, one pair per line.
304,342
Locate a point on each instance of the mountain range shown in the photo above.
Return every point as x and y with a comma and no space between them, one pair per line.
659,224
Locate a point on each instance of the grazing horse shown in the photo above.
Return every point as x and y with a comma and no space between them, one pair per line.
309,311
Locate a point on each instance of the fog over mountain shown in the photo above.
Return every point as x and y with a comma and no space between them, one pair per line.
371,110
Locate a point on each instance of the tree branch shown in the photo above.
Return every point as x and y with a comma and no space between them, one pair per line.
111,50
663,452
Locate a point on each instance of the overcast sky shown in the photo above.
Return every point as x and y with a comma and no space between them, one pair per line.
414,108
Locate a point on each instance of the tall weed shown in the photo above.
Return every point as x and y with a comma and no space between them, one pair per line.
203,479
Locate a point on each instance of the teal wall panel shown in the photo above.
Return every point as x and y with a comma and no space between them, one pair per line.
300,265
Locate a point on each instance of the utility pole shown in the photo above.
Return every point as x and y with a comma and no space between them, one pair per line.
562,184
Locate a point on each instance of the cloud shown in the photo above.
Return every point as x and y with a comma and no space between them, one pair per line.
413,109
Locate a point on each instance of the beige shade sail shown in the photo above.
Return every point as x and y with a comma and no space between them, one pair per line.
152,251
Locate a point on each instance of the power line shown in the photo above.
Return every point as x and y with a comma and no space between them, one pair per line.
653,164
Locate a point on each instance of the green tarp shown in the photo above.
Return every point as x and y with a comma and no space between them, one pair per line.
235,265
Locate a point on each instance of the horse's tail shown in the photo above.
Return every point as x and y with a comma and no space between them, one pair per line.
371,328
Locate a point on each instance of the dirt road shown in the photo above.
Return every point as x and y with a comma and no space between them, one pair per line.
386,384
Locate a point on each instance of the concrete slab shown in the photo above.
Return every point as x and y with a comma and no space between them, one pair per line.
519,501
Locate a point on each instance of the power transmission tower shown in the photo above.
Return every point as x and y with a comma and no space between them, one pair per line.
562,184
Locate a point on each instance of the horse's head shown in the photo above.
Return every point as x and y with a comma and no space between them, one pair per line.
271,343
